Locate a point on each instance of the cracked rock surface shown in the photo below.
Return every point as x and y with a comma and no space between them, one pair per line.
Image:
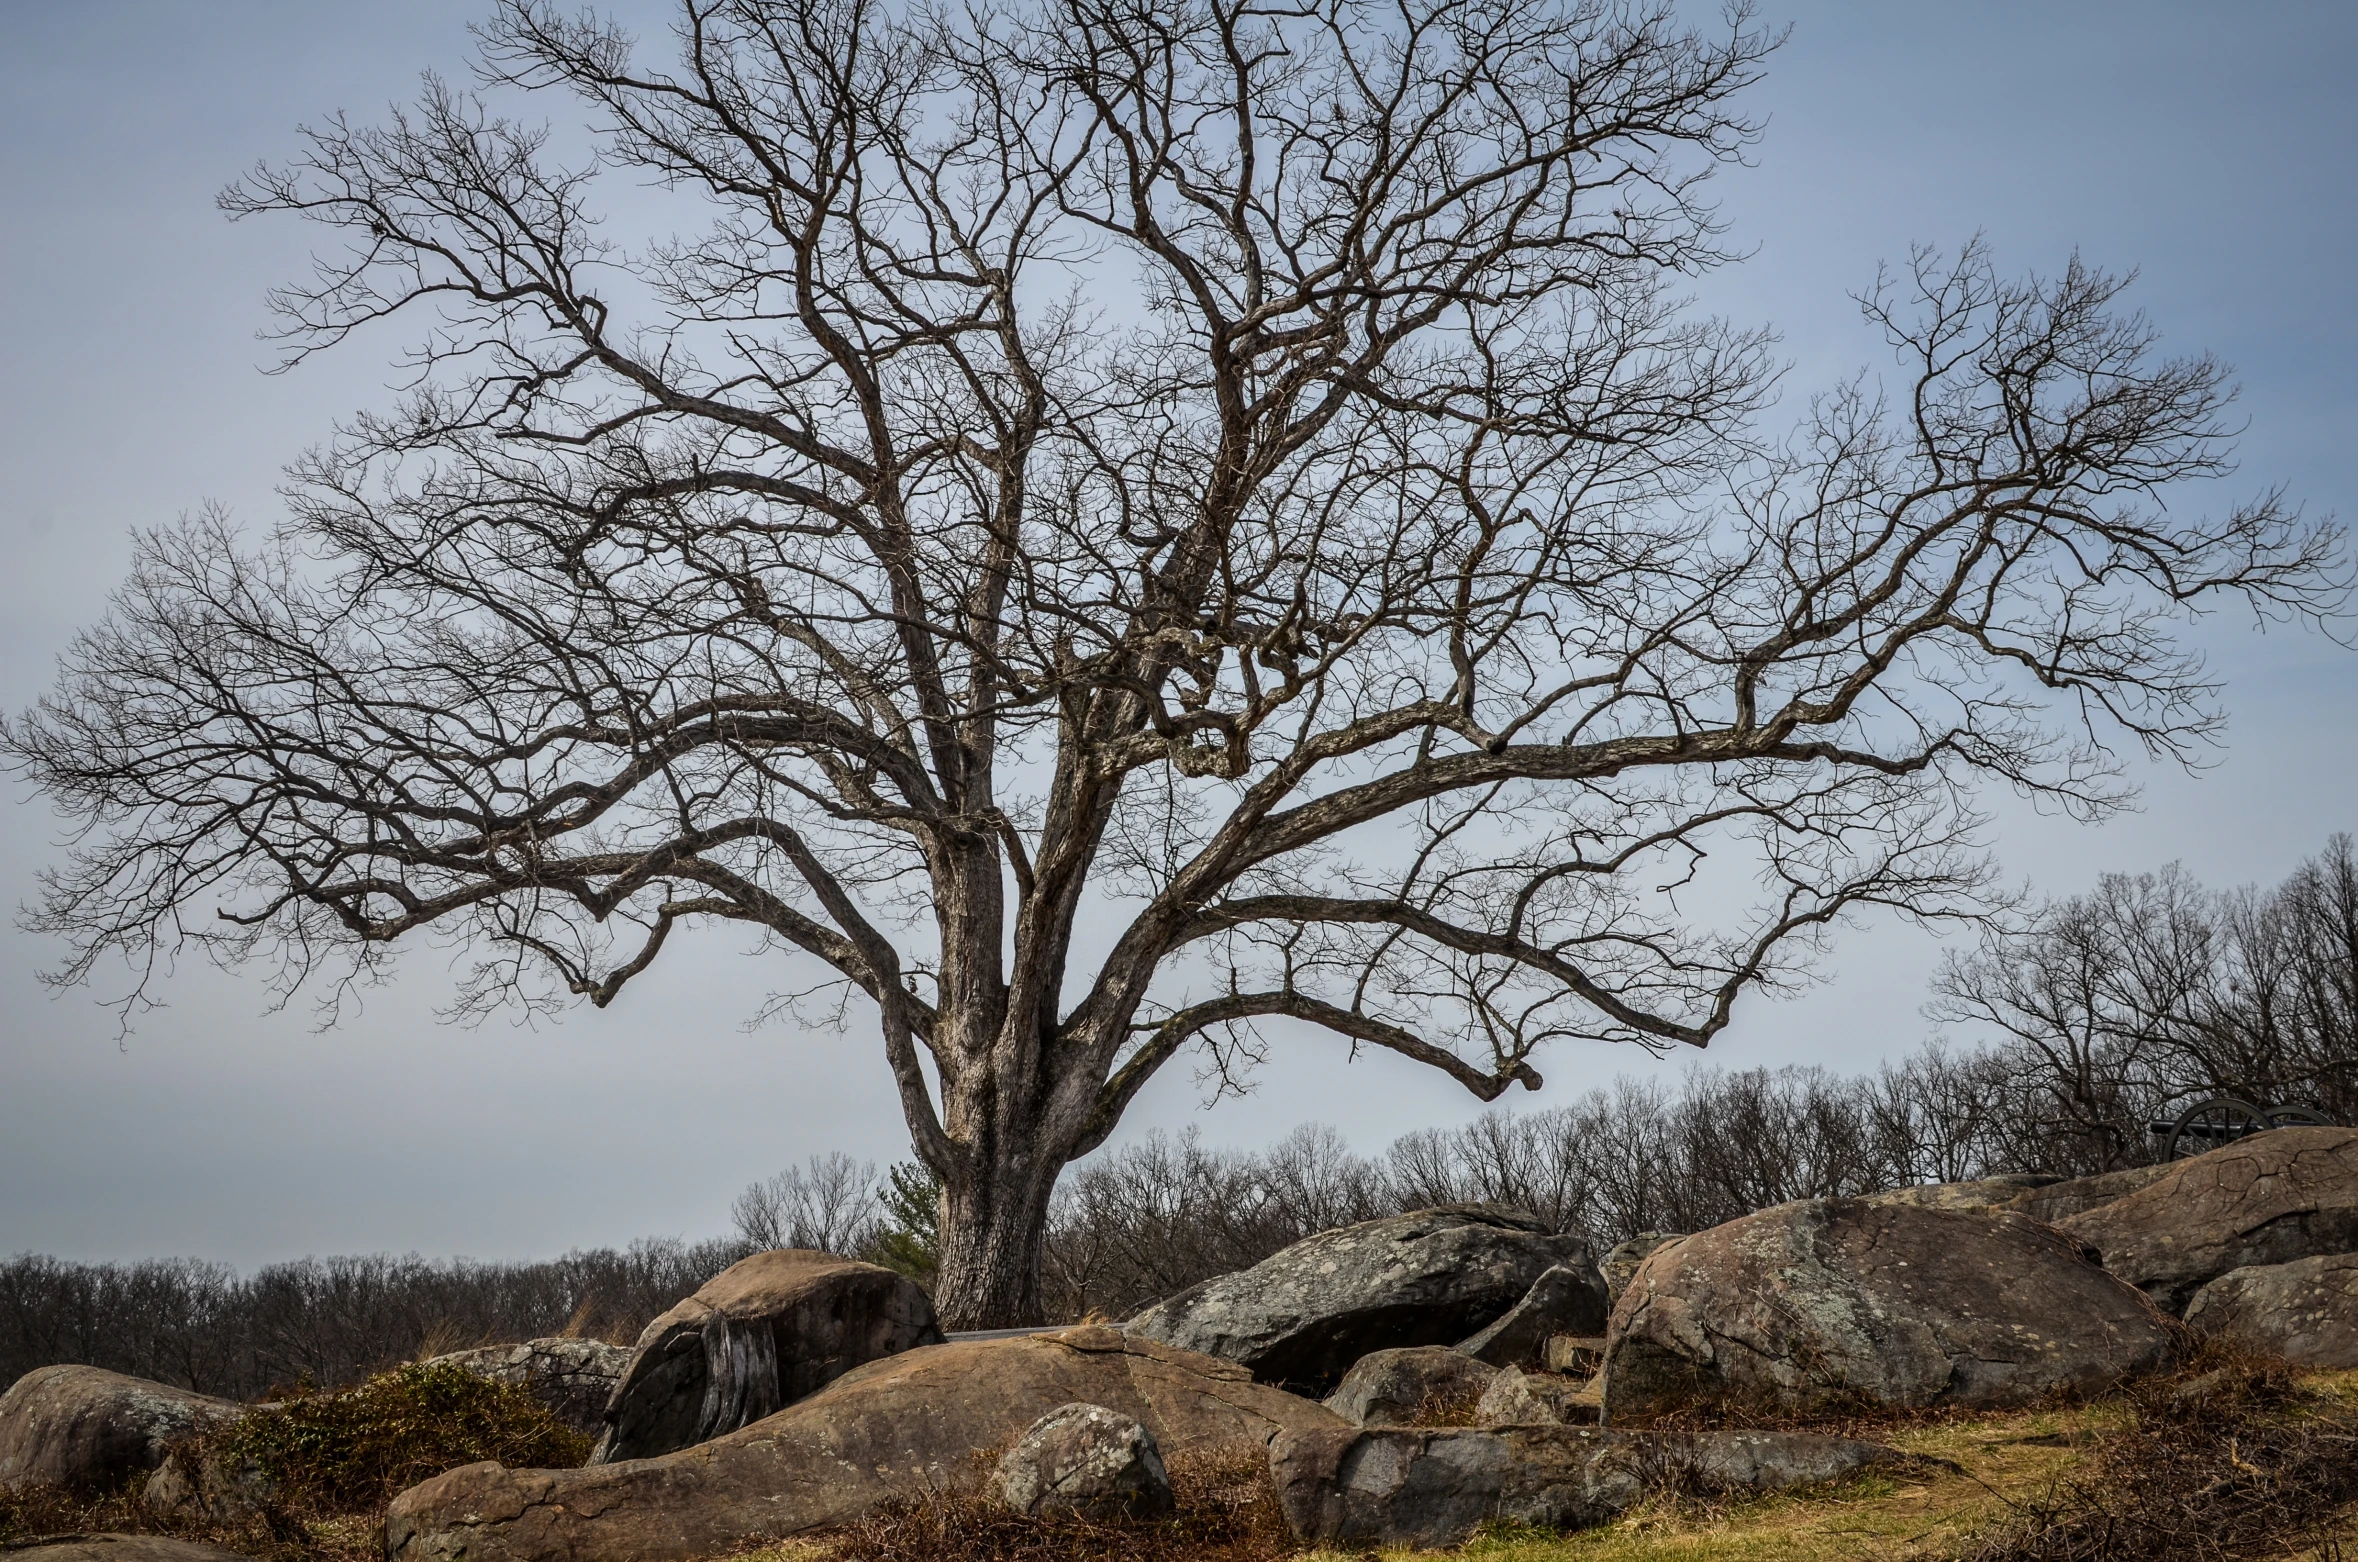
87,1427
1824,1303
1302,1316
2287,1194
891,1428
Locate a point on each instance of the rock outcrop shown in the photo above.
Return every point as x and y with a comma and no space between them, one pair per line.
1393,1487
1568,1299
910,1423
1088,1460
2275,1197
574,1378
1821,1304
88,1428
1983,1193
2305,1311
1416,1384
2062,1200
1302,1316
758,1336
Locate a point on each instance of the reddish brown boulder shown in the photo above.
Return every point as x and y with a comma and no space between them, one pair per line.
1832,1302
90,1428
756,1337
2286,1194
914,1422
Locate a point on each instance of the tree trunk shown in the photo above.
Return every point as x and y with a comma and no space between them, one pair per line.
994,1235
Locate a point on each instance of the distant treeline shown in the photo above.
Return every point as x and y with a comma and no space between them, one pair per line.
326,1321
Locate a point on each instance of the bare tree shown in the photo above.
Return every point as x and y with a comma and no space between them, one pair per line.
1122,523
832,1203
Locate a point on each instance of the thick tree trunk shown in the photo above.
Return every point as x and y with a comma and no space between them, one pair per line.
994,1235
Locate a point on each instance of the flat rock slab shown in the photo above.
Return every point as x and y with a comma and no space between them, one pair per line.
1827,1303
119,1548
89,1428
1302,1316
910,1423
2305,1311
1434,1488
2286,1194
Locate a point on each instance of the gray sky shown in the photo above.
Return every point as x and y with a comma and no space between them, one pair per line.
2208,146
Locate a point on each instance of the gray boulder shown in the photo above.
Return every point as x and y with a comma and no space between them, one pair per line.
1411,1386
1568,1299
1088,1460
2305,1311
91,1429
574,1378
2275,1197
1395,1487
1519,1398
761,1334
1301,1317
1825,1304
1622,1262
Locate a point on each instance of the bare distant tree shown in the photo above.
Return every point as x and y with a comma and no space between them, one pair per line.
1114,523
830,1203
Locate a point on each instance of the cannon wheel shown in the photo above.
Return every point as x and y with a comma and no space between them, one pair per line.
2208,1124
2298,1117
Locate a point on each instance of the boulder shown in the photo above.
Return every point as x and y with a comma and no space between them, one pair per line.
574,1378
894,1428
118,1548
1825,1304
1981,1193
758,1336
2061,1200
1519,1398
88,1428
1568,1299
1414,1385
1396,1487
1302,1316
1088,1460
1623,1260
199,1484
2277,1196
2305,1311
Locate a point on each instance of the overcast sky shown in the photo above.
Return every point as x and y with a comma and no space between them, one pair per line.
2210,147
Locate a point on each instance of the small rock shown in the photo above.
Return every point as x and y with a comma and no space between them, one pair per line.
1416,1385
91,1429
1519,1398
2305,1311
1580,1355
193,1485
1623,1260
1088,1460
1568,1299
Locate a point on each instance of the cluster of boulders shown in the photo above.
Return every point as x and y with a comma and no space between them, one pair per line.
1407,1379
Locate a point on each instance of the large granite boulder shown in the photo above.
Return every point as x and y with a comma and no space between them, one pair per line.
92,1429
2274,1197
1088,1460
1413,1385
1568,1299
893,1428
1301,1317
1395,1487
2061,1200
758,1336
2305,1311
1831,1303
574,1378
118,1548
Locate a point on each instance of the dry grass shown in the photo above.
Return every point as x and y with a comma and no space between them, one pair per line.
275,1534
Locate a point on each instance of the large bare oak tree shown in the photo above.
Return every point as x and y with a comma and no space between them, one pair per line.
1120,527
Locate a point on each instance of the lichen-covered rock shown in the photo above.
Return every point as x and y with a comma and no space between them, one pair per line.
1088,1460
2270,1199
1416,1384
2305,1311
1825,1303
1396,1487
894,1428
2062,1200
1622,1262
1302,1316
1519,1398
574,1378
1568,1299
88,1428
756,1337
